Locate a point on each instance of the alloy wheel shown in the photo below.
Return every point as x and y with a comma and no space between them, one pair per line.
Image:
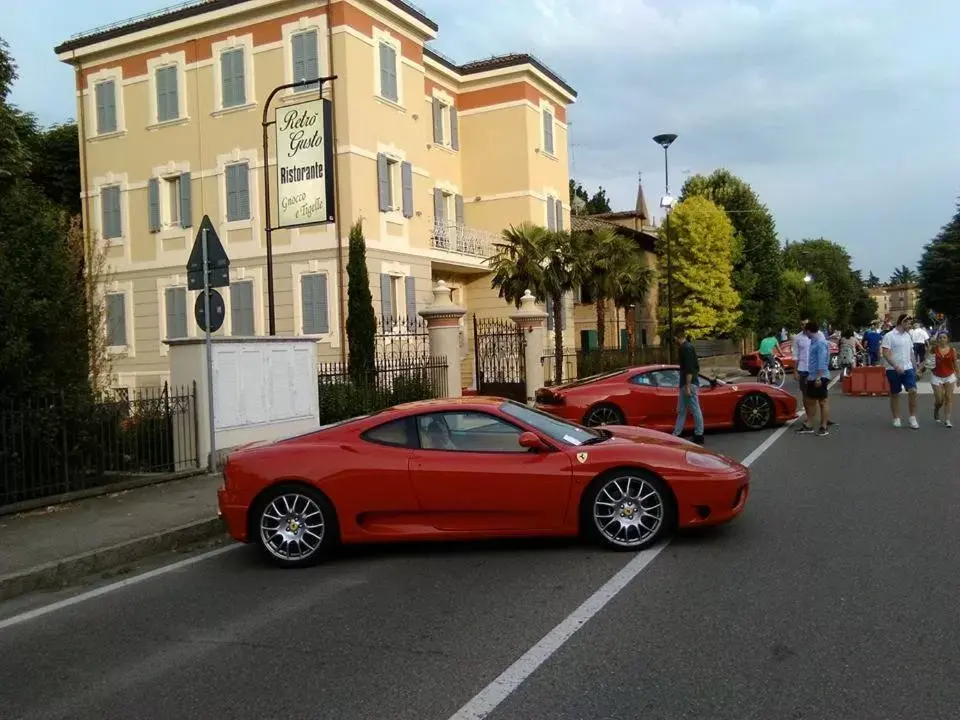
755,412
292,527
603,415
628,511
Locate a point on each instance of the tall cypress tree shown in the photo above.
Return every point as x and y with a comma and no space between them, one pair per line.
940,273
361,322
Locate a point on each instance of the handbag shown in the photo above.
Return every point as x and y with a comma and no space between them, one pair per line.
930,362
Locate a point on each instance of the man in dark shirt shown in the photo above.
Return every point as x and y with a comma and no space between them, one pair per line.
689,388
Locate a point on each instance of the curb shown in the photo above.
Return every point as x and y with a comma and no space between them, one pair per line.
56,574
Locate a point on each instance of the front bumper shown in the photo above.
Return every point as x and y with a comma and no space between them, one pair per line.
712,501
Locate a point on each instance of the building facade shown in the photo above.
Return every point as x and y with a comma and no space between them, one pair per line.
434,158
894,300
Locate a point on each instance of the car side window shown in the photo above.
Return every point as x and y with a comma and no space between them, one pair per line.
704,382
667,378
396,433
643,379
468,431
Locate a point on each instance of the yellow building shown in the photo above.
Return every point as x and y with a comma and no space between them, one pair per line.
894,300
435,158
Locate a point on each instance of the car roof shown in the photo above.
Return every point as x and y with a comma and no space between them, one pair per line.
469,402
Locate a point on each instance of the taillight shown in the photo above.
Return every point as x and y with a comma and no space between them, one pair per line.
549,397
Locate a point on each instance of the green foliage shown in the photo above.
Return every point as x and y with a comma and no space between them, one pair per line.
939,277
586,204
801,300
702,245
864,310
757,257
55,165
903,275
872,281
361,322
830,265
342,398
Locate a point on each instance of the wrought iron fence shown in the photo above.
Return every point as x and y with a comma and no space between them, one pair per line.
391,382
402,338
594,362
54,445
499,348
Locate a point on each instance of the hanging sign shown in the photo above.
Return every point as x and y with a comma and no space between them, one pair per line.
304,163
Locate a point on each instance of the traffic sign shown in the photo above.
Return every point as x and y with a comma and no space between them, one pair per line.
217,259
217,311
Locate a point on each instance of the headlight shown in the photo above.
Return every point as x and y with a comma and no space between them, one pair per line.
708,462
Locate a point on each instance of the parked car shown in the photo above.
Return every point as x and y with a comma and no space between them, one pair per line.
647,396
751,363
468,468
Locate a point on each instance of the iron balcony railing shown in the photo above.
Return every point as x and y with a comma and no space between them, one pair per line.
463,240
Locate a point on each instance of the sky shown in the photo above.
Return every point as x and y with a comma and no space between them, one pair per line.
841,114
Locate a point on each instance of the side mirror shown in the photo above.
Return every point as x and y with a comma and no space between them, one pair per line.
531,441
713,382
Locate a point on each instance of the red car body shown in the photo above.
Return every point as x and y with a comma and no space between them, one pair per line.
530,484
751,362
647,396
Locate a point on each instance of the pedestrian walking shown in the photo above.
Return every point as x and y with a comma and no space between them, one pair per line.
944,378
897,349
920,337
689,391
801,355
872,338
848,351
818,382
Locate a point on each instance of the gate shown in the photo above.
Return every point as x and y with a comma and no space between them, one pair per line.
499,346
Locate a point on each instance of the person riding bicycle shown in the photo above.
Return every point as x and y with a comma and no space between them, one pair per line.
768,346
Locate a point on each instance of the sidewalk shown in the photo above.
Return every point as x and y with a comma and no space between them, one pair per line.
50,547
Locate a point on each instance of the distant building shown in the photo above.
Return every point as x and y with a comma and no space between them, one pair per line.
894,300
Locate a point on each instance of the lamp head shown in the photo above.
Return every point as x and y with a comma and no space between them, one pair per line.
665,140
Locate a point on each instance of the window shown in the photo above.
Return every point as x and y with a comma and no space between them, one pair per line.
446,125
468,432
238,191
548,132
554,213
171,200
395,185
168,201
447,218
241,308
644,379
398,294
116,316
666,378
314,306
397,433
175,300
233,85
106,97
553,427
168,100
111,221
389,89
306,65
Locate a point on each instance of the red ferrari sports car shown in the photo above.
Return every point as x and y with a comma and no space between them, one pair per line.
647,396
751,362
471,468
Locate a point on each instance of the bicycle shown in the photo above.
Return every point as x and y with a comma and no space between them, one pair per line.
772,374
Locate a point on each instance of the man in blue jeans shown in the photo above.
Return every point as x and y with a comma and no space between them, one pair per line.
688,397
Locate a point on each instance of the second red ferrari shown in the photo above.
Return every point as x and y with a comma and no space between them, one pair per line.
647,396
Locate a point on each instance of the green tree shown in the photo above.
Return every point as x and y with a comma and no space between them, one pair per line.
864,310
903,275
585,204
873,281
830,265
702,246
55,165
757,255
361,322
802,300
939,277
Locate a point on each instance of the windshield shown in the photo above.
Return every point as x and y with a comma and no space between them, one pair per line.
558,429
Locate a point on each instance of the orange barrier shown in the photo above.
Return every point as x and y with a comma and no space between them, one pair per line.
866,381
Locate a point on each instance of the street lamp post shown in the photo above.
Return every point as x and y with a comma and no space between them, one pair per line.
665,141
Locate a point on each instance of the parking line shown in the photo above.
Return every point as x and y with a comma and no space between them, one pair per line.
490,697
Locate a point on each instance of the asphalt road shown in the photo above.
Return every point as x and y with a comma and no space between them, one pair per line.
836,595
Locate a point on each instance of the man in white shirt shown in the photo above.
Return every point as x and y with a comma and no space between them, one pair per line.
801,359
897,351
920,338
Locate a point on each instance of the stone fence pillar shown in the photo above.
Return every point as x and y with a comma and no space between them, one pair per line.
532,320
443,323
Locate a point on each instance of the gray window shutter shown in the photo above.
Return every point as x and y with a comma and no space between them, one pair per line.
551,214
558,208
176,311
322,311
454,128
308,304
111,224
386,296
241,308
383,182
439,207
153,204
410,289
406,181
231,75
549,311
161,80
437,122
106,106
548,132
230,179
458,202
168,107
388,72
186,202
306,64
116,320
243,193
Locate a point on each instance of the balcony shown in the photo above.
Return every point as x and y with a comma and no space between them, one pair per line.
463,240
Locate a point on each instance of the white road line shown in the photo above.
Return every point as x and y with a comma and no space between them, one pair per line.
105,589
488,699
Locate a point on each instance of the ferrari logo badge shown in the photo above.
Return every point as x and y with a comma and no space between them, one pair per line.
581,457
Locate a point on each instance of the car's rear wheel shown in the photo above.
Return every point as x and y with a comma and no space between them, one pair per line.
628,509
604,414
755,412
295,525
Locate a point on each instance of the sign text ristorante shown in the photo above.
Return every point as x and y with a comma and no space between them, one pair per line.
304,162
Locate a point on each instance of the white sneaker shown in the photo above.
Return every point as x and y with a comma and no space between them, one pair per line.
897,423
913,423
948,423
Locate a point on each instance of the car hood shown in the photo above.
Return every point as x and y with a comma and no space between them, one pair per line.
646,436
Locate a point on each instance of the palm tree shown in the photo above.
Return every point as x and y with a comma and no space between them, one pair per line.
562,271
903,275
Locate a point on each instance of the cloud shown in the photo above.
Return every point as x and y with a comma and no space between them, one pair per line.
840,113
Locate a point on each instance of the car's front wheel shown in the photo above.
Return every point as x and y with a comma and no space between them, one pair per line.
627,509
755,412
295,525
